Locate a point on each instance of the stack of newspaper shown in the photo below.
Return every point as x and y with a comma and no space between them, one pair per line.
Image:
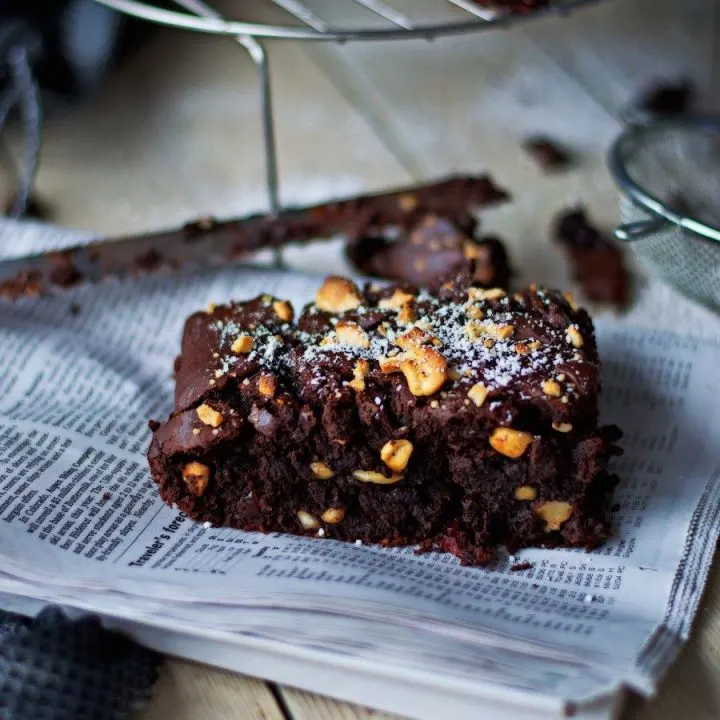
81,524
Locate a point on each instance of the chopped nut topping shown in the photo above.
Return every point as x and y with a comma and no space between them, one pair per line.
242,344
211,308
562,427
489,343
267,385
525,492
196,477
407,202
308,521
321,471
383,328
196,431
521,349
370,476
396,454
283,309
413,338
509,442
571,300
406,316
338,295
474,312
552,388
351,333
209,416
476,330
478,393
574,337
535,345
397,300
472,251
332,516
454,374
554,513
424,368
434,404
360,372
491,294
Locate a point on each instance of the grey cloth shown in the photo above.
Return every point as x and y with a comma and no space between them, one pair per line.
53,668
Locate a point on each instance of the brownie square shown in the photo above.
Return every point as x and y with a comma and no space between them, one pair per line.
461,419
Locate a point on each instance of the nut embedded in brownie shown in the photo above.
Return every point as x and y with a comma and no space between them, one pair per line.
462,419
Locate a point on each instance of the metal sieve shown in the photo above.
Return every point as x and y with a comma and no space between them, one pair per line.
668,173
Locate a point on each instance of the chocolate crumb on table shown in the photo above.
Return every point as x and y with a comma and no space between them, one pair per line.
547,153
597,263
668,99
461,419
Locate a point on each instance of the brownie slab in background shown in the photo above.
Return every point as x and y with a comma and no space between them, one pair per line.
461,419
425,248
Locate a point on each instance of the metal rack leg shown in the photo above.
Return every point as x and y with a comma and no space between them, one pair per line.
259,56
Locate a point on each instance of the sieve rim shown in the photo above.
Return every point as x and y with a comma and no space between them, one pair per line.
653,205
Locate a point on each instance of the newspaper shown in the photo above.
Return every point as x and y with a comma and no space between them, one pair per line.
81,523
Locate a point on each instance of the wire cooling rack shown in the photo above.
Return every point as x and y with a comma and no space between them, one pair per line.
383,21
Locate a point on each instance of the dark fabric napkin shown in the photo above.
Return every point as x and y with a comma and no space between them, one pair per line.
54,668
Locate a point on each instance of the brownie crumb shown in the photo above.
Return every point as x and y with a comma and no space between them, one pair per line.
105,497
519,567
597,263
27,283
547,154
668,99
64,274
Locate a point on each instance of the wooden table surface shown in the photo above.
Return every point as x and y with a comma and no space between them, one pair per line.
175,134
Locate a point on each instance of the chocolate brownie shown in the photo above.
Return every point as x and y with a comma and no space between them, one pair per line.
597,263
461,419
426,248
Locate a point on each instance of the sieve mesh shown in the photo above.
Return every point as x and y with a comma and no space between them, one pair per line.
669,175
